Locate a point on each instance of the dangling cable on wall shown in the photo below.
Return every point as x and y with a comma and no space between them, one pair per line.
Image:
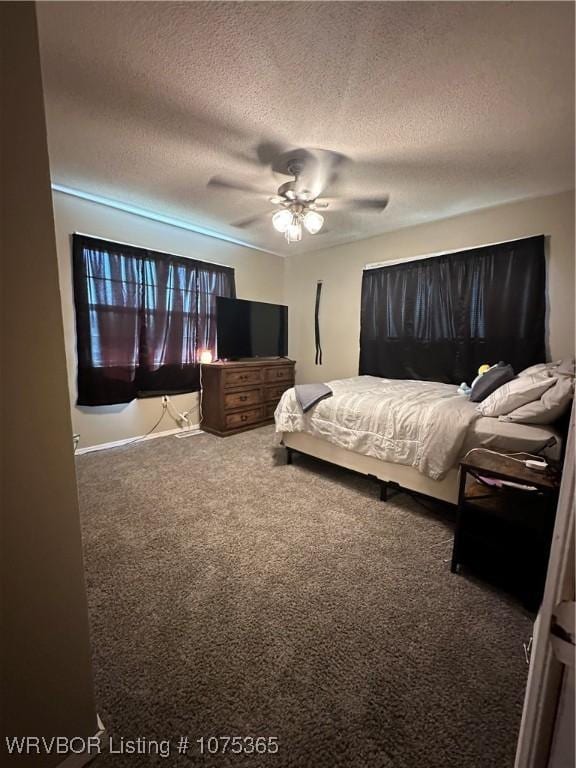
318,358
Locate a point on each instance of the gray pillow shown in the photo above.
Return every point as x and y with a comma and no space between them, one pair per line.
563,367
514,394
497,376
548,408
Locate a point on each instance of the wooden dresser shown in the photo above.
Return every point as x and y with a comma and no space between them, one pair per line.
243,395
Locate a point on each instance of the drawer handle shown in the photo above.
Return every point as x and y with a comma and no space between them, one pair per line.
242,377
243,398
244,418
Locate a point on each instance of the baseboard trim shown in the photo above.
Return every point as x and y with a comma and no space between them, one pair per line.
78,761
140,438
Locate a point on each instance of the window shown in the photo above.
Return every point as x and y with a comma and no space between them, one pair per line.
440,318
142,319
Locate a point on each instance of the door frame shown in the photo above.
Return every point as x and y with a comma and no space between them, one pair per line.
546,671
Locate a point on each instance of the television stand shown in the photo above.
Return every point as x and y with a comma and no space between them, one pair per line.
238,395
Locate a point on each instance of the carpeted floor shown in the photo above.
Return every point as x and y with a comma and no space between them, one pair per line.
232,595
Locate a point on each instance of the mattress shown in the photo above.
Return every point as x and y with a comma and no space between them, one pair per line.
422,424
509,437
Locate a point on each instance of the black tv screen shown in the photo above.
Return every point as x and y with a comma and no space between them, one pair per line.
250,329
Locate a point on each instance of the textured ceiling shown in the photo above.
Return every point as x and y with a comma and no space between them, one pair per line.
447,107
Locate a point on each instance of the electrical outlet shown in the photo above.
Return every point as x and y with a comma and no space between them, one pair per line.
165,399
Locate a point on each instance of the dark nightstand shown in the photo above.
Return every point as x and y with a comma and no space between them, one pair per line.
502,532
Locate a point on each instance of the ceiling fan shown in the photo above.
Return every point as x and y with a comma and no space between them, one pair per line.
299,200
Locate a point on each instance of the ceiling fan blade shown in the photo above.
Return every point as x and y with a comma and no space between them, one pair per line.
375,204
324,170
261,155
268,150
244,223
241,186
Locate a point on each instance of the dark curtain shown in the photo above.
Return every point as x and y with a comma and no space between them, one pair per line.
142,319
440,318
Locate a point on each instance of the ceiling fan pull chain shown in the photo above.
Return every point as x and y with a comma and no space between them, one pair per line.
318,358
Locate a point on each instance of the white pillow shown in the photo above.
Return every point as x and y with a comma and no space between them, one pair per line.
514,394
548,408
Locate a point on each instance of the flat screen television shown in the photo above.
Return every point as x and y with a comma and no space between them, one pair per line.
250,329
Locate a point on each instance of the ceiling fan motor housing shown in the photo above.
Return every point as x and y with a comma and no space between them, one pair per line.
288,190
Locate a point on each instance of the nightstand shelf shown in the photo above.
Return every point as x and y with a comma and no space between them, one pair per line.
504,533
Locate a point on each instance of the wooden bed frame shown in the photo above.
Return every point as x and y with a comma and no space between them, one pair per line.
387,474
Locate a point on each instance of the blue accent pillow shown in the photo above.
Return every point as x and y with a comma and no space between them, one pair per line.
490,381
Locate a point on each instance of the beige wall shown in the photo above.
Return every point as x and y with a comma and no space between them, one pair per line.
46,677
259,276
340,268
264,277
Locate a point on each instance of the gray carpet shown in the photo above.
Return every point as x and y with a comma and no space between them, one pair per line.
231,594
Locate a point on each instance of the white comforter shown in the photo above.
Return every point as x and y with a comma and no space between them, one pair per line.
419,423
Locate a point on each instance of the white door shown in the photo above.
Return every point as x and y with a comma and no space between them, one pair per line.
547,731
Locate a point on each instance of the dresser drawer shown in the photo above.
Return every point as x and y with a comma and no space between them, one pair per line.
280,373
269,409
243,418
242,399
239,378
275,392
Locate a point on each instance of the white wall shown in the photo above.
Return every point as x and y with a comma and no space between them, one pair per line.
340,268
259,276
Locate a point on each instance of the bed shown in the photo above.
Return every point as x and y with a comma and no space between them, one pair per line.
410,434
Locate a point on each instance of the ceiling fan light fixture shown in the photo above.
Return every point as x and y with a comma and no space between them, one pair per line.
281,220
313,222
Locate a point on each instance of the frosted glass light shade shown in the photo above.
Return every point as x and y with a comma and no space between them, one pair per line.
294,231
281,220
313,222
206,356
